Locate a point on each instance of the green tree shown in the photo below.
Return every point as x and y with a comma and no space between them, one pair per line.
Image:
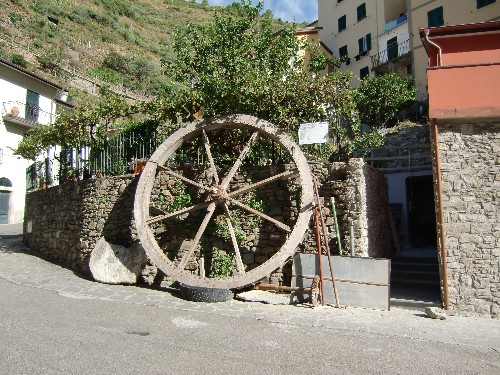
237,64
381,98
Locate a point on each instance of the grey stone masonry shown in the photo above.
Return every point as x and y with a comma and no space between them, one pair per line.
470,168
65,222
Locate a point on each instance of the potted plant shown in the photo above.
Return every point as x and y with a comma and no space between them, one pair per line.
14,111
138,165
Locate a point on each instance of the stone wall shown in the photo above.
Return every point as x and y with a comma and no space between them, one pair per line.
470,167
65,222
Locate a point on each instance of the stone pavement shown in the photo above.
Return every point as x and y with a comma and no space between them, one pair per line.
20,265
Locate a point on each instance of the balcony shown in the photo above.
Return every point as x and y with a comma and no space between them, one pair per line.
25,116
398,21
396,52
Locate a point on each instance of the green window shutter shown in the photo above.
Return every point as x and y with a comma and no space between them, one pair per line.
342,23
361,11
32,102
365,43
392,48
343,52
364,72
435,17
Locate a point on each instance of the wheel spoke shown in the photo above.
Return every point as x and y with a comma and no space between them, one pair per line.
239,262
279,224
285,174
201,230
206,142
195,207
244,152
181,177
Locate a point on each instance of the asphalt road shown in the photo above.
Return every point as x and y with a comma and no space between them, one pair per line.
43,332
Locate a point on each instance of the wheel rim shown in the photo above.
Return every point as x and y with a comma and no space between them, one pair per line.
220,195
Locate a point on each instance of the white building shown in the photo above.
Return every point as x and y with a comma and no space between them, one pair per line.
26,99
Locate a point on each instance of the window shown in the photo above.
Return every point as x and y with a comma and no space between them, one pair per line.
342,23
32,102
343,52
4,181
435,17
364,72
483,3
392,48
361,11
365,44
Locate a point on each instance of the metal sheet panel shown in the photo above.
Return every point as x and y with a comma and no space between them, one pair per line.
349,272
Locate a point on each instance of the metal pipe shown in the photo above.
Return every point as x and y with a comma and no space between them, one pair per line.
351,232
440,216
342,280
440,56
337,231
281,288
318,242
327,248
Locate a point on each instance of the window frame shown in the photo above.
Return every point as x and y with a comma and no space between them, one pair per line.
365,41
343,23
361,12
435,14
346,55
363,70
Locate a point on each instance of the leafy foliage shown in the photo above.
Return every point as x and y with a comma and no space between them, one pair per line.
380,99
222,264
235,65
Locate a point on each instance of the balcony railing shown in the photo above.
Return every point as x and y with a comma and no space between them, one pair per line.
22,111
391,53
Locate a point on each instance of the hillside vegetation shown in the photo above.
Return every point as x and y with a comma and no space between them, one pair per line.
119,43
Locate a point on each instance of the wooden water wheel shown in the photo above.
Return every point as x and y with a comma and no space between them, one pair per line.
207,161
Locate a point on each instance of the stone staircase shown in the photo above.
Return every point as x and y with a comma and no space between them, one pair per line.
422,272
415,281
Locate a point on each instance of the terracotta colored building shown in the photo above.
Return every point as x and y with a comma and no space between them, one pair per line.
464,107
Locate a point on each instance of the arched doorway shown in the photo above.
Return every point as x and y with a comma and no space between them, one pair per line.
5,195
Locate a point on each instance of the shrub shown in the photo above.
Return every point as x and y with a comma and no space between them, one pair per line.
19,60
115,61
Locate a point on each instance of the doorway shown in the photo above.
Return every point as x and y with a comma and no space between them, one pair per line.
4,207
421,212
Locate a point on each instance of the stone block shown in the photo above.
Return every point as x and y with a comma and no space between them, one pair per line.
115,264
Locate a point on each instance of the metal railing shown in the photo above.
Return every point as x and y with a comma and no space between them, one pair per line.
398,158
114,158
391,53
33,114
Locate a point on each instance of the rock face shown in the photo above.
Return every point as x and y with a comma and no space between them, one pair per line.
116,264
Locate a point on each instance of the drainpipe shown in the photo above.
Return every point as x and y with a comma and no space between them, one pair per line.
440,56
440,217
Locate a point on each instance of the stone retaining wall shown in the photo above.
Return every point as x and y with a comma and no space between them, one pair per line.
65,222
470,168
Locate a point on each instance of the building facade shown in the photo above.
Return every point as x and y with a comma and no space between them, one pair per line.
356,30
381,36
464,107
26,99
436,13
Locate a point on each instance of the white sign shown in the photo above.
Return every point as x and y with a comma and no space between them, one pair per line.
313,132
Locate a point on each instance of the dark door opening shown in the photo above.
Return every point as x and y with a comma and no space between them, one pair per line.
4,207
421,212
